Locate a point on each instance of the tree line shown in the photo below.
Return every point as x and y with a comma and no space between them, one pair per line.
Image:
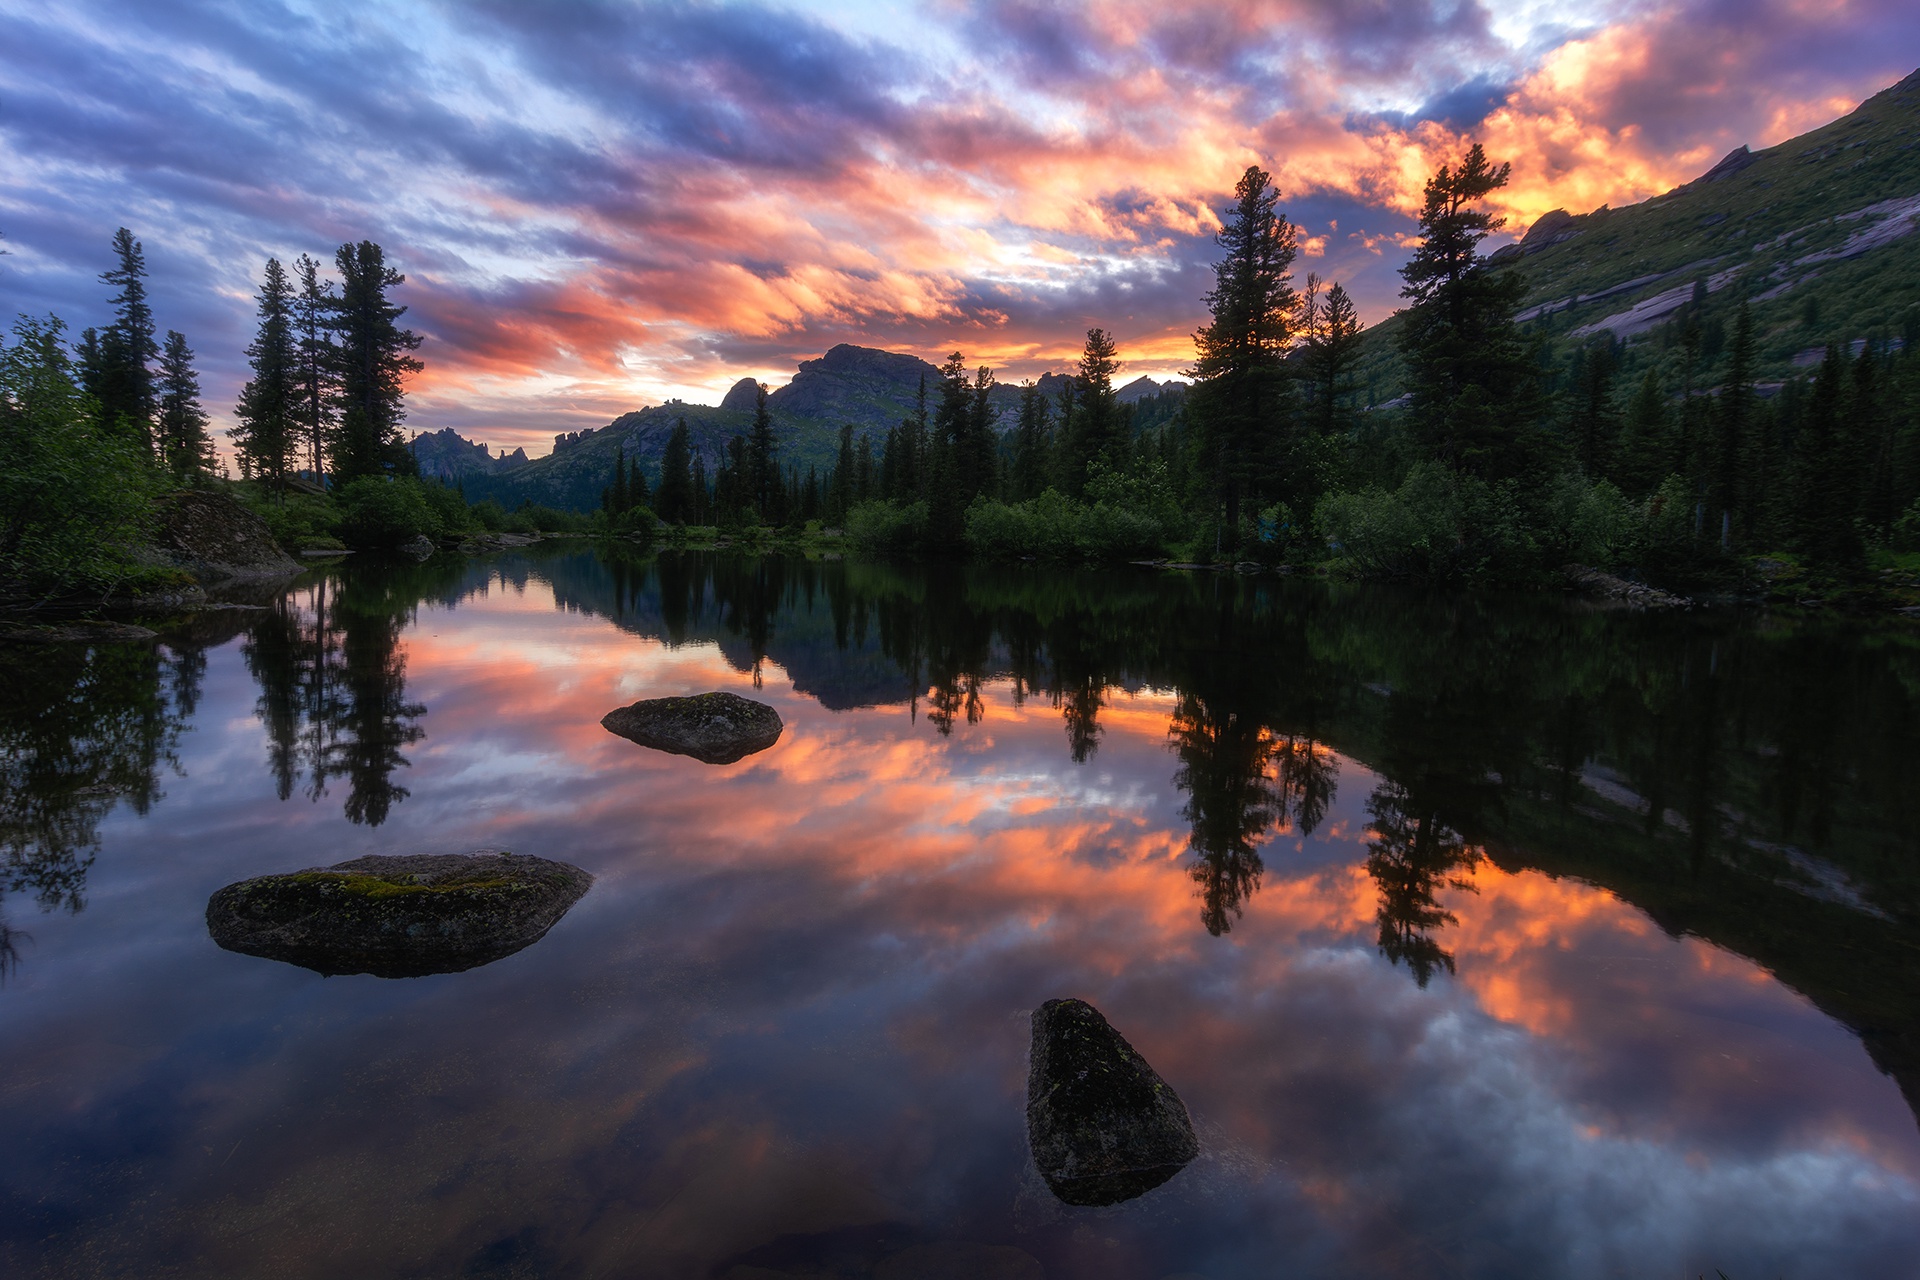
93,430
1507,457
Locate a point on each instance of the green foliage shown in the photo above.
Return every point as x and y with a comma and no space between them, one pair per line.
297,520
383,511
884,528
75,500
1056,527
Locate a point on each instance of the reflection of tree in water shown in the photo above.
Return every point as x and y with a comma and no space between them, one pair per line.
1411,857
85,729
1242,781
333,694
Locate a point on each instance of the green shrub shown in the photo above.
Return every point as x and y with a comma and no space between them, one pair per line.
1438,526
882,528
1055,527
75,500
383,512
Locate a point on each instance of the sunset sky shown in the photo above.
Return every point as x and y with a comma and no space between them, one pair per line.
599,206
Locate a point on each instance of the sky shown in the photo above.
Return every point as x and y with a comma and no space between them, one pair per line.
600,206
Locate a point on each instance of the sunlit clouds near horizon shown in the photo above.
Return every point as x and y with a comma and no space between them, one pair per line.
600,206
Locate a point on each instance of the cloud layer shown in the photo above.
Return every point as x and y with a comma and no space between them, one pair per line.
602,205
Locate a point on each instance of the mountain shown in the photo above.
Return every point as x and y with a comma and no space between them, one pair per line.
1817,234
447,455
873,390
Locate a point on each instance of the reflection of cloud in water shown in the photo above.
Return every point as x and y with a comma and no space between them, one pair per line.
795,1002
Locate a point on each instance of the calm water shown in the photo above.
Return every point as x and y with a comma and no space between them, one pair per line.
1481,937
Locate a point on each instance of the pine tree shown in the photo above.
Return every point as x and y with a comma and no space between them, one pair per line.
1592,420
676,505
125,380
184,443
762,472
636,485
316,382
1030,445
615,499
1824,476
699,501
840,489
977,456
1727,499
1099,420
1473,383
1330,342
1646,453
1239,397
264,438
373,365
940,477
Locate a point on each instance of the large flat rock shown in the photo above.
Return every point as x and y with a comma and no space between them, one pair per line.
398,917
1102,1125
718,728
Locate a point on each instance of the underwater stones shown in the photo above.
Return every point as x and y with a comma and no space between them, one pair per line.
1102,1125
718,728
397,917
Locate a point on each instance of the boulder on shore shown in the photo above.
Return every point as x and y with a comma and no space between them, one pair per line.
214,538
398,917
718,728
1102,1125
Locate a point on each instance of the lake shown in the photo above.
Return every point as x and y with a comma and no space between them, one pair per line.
1481,936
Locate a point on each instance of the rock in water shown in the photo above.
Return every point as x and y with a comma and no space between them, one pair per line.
718,728
418,547
1102,1125
398,917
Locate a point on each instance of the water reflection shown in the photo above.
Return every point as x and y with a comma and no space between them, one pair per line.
82,728
1643,888
333,683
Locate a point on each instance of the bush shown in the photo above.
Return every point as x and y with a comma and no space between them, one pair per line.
882,528
1055,527
1438,526
75,500
380,511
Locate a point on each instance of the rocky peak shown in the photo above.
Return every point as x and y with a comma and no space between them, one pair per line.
743,396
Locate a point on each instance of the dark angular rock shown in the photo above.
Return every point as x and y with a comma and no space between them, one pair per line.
213,537
398,917
1102,1125
718,728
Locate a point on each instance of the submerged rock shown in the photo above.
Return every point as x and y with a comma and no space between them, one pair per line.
418,547
398,917
1102,1125
718,728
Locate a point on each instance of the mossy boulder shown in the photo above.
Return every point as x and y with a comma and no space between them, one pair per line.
398,917
718,728
1102,1125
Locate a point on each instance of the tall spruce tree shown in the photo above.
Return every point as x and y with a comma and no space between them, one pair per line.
676,478
1825,482
316,382
977,456
1030,445
1330,351
1727,498
373,365
1239,401
184,443
1474,386
264,440
1099,432
124,381
762,474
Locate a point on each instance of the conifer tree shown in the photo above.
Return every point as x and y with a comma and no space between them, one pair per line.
1239,397
1591,416
636,485
940,478
1473,384
762,472
125,386
1030,445
1330,342
978,455
1099,420
264,438
1824,478
676,505
1727,500
700,501
840,490
316,382
373,365
184,443
1646,453
614,499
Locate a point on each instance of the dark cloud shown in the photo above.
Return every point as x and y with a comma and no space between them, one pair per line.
568,184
